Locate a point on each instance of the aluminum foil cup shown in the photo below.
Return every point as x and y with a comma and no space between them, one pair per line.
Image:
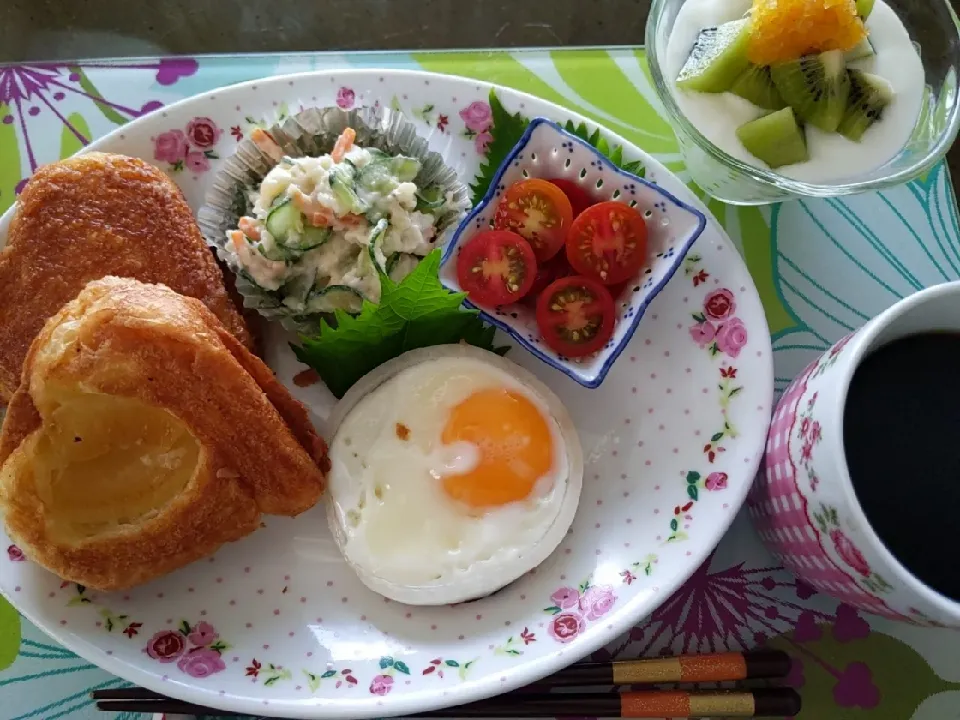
313,132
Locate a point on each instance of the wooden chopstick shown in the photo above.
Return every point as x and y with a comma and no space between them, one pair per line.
717,667
769,702
128,693
535,700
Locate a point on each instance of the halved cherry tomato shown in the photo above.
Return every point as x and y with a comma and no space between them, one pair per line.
553,269
608,242
538,211
576,316
496,267
619,289
579,198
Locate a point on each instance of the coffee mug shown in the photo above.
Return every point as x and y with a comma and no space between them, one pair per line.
803,503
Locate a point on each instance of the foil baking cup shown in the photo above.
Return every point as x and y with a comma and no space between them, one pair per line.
311,133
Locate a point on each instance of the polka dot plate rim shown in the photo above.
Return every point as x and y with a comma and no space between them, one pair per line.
277,624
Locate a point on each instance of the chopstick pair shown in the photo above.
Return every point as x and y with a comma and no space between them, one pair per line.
537,701
766,703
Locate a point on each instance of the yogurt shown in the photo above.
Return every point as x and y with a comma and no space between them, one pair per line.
833,158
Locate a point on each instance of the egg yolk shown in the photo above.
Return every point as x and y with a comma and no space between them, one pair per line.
514,443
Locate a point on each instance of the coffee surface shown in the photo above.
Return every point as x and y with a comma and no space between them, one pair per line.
901,436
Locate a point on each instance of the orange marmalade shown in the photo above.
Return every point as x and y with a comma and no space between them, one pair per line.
785,30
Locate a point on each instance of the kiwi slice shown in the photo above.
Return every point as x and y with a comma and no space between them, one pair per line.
718,57
861,51
777,139
869,96
816,87
865,7
756,85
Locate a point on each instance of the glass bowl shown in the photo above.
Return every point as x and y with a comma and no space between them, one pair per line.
934,27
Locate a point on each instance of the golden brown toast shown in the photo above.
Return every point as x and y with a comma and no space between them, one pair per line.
91,216
143,436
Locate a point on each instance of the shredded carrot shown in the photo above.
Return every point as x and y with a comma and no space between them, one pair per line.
309,206
267,144
249,228
352,219
236,237
323,218
343,144
303,202
319,215
306,378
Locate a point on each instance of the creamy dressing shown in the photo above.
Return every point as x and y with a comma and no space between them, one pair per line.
832,157
269,274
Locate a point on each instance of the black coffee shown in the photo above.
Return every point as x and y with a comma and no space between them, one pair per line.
901,434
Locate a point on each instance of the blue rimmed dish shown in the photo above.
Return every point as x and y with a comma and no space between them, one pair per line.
549,152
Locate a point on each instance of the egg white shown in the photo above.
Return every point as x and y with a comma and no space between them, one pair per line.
400,532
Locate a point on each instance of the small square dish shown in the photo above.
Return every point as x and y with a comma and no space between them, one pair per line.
548,152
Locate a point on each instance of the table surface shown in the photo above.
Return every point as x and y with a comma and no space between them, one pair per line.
814,291
67,29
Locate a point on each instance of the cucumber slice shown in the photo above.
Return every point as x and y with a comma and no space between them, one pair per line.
399,265
297,290
392,263
431,198
375,245
313,237
342,184
405,168
283,220
377,177
335,297
273,250
375,215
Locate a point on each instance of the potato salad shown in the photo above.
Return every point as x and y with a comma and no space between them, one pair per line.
321,230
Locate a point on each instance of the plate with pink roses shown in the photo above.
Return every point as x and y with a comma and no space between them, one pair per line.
278,624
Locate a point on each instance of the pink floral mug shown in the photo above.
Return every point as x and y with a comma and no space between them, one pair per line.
803,502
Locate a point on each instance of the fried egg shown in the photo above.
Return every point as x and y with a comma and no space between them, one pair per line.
454,473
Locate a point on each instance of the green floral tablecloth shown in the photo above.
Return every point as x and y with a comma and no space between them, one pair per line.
822,267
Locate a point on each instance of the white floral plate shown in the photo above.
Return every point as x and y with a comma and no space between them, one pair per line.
277,624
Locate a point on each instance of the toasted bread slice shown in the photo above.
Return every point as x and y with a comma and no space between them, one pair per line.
144,436
91,216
